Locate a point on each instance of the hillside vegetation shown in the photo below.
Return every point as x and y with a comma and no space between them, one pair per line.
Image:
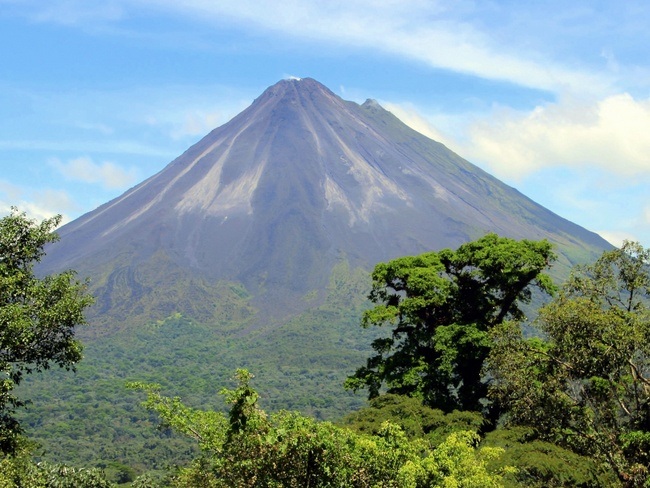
458,396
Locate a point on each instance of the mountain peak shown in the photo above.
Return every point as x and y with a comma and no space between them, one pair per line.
295,89
371,103
297,181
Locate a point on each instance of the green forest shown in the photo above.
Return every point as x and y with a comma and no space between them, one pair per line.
463,390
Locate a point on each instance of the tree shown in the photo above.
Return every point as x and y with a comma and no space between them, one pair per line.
250,448
442,306
543,464
37,315
22,472
415,420
587,384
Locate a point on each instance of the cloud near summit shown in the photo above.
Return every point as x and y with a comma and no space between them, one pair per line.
612,134
108,174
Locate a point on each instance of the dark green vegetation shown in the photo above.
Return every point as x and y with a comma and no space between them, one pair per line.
88,418
37,316
587,386
573,406
468,401
442,307
538,463
21,472
37,321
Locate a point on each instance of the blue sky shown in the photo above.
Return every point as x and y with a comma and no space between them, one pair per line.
551,97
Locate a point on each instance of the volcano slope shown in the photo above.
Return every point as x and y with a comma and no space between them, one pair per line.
252,249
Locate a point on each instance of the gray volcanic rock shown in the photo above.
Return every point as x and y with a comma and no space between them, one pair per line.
273,198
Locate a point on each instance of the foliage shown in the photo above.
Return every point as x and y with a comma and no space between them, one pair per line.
541,464
249,448
415,420
441,306
87,419
538,463
37,315
19,471
587,386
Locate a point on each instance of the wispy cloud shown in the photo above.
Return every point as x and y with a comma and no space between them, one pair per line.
37,204
591,156
10,191
616,238
450,35
411,116
112,147
183,123
440,34
612,134
107,174
198,124
96,127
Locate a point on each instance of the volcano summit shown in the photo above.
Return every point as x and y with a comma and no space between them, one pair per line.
273,199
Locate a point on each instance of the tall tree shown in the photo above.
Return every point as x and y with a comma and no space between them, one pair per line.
587,386
441,307
37,315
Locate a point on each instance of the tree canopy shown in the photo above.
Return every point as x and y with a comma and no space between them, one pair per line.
587,384
250,448
441,307
37,315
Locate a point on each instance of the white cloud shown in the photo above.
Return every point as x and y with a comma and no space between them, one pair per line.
107,174
32,209
430,32
37,204
114,147
585,160
410,115
612,134
485,40
197,123
616,238
178,121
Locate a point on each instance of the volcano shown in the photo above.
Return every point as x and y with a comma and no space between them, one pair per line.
268,203
253,250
